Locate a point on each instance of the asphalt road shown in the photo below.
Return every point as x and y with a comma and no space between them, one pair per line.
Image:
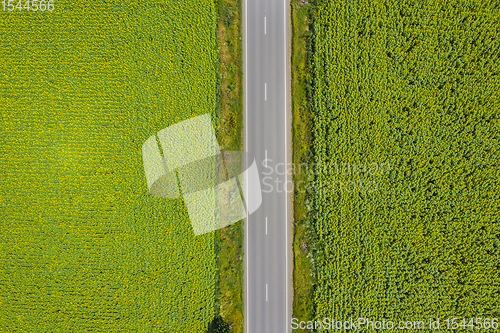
267,134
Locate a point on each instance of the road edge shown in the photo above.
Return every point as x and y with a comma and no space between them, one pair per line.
288,157
244,24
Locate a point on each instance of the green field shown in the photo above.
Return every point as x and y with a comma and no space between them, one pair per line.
83,246
405,217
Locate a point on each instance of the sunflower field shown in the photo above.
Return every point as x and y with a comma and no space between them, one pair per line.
410,89
84,247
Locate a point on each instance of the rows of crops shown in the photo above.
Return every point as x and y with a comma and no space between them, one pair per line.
83,246
413,85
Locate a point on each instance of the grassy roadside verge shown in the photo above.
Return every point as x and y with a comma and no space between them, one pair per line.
301,134
231,71
230,240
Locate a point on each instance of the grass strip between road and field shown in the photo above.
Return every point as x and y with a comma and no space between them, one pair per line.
230,240
303,307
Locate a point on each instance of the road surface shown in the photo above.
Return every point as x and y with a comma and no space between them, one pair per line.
267,134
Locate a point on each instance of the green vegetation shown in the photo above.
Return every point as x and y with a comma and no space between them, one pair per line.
84,246
303,306
218,325
231,73
404,107
231,239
